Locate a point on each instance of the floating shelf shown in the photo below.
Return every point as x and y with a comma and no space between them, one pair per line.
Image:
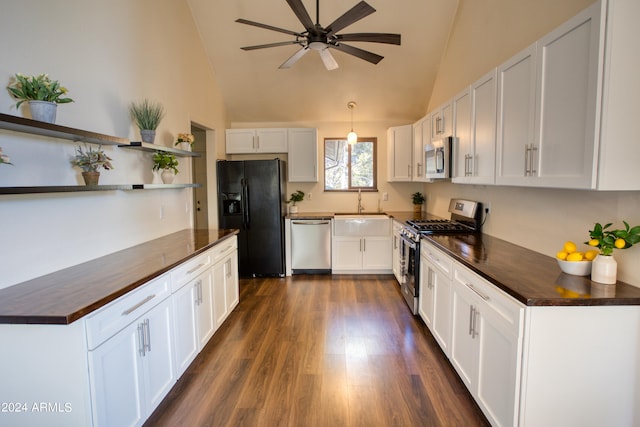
63,189
20,124
145,146
163,186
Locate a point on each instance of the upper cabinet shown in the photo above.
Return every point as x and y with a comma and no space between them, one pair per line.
399,153
462,133
421,137
442,121
477,154
303,155
265,140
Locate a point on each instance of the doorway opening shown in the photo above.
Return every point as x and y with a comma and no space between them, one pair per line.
200,202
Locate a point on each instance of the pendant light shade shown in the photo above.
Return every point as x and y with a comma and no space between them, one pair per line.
352,137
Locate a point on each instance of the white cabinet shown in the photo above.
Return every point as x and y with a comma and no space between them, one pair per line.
395,260
421,137
133,371
434,300
263,140
361,245
486,345
399,153
462,132
478,154
442,121
225,279
302,161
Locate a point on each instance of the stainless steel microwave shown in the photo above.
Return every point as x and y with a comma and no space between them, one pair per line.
437,158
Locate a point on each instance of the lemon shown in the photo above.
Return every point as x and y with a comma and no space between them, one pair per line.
620,243
575,256
594,242
562,255
570,247
590,255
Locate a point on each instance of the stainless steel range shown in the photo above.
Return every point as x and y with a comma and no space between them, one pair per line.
466,217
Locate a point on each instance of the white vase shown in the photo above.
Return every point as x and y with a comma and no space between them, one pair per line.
604,269
43,111
167,176
185,146
293,209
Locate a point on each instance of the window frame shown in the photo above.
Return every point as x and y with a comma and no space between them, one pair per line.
374,187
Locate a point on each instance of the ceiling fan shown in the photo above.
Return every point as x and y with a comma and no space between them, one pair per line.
318,38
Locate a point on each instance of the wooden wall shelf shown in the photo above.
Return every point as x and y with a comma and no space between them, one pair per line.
145,146
84,188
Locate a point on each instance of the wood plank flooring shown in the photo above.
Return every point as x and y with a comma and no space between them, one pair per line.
320,351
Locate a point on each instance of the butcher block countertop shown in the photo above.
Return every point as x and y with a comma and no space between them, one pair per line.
67,295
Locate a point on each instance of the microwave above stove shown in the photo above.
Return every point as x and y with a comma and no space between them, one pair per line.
437,158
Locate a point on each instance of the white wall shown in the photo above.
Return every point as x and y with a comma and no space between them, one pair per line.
485,33
108,54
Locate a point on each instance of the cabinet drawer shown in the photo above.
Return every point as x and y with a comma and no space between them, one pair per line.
189,270
116,315
500,303
437,258
222,250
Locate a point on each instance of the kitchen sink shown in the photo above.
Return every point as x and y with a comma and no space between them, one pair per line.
361,225
360,215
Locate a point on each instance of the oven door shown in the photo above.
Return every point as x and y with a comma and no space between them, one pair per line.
437,159
410,265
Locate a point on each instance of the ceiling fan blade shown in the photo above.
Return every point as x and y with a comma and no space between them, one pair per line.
354,14
268,27
302,14
262,46
360,53
370,37
328,60
294,58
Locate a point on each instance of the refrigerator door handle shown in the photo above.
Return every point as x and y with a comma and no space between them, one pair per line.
245,201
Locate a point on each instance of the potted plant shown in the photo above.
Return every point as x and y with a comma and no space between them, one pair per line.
167,163
605,268
147,116
418,200
4,159
90,160
41,93
185,141
298,196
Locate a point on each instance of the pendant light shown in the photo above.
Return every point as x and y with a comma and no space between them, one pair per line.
352,137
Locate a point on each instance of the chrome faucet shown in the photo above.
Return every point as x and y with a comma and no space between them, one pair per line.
360,207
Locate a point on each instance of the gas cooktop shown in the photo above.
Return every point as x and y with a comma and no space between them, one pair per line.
466,217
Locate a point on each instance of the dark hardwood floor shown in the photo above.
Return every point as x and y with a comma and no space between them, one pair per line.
320,351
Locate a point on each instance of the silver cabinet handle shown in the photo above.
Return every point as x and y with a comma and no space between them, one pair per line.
138,305
471,310
477,292
532,158
228,268
147,335
199,292
141,339
310,223
527,161
195,268
474,331
364,245
430,273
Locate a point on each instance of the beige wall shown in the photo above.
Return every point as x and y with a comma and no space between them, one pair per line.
487,32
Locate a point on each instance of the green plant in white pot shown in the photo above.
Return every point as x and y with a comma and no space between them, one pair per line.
147,116
41,93
298,196
167,163
90,160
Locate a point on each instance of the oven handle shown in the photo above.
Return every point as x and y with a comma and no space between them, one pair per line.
408,242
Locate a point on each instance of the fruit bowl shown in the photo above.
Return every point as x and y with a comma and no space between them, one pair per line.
577,268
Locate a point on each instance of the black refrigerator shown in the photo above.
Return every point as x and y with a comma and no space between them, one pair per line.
251,198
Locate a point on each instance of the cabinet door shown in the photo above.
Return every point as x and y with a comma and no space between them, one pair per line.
376,253
205,312
158,371
303,155
400,147
483,129
219,293
232,291
441,122
185,326
426,292
462,148
441,323
240,141
421,131
271,140
396,251
346,253
115,373
567,98
464,346
516,112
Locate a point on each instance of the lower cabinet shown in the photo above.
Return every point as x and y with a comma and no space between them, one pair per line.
134,370
361,254
395,256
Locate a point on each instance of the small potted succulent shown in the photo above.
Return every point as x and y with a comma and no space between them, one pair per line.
90,160
418,200
147,116
298,196
185,141
41,93
167,163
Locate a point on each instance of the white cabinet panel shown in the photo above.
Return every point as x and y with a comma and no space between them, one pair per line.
399,153
462,131
263,140
302,161
421,137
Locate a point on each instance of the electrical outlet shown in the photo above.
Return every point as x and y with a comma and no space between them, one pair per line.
309,196
487,207
385,196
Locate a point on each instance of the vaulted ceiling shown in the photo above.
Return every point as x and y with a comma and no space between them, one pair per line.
256,90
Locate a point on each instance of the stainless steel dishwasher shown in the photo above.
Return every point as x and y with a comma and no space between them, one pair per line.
310,246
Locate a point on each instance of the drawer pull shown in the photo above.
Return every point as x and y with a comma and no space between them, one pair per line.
138,305
197,267
477,292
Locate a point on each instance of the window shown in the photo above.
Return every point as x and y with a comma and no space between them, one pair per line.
350,167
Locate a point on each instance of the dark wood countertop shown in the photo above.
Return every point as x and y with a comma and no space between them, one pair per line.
67,295
531,278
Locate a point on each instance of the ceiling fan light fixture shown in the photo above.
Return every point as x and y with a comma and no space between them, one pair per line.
352,137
